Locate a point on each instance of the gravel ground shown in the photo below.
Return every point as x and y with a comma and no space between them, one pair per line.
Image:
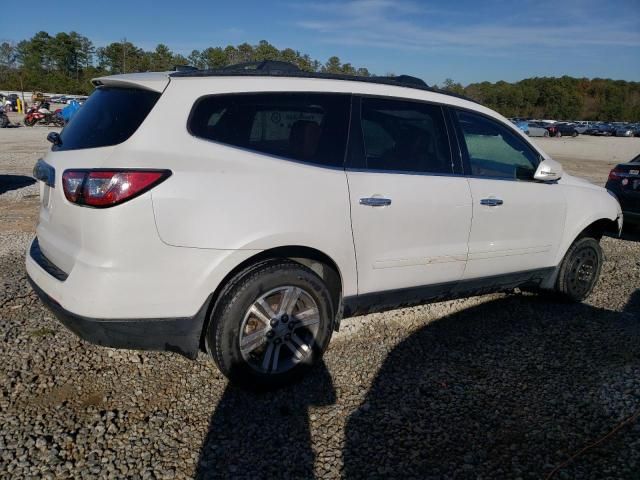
498,386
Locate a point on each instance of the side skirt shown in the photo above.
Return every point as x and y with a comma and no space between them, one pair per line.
408,297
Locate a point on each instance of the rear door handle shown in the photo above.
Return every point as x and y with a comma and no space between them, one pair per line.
491,202
375,201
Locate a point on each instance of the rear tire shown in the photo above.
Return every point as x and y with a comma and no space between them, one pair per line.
271,324
29,122
580,269
574,134
558,134
545,134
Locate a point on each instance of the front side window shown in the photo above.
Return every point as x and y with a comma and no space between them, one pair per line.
404,136
309,127
494,150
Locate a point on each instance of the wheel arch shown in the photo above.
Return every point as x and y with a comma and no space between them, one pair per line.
595,228
319,262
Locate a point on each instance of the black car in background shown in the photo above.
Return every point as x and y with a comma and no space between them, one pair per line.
602,129
562,130
624,182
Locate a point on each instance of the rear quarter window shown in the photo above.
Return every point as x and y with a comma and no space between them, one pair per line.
309,127
109,117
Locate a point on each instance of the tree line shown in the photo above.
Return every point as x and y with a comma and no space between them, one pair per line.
66,62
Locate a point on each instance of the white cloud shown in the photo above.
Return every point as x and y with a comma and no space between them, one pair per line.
409,26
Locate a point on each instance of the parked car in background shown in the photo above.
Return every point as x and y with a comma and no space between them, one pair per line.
562,130
626,131
602,129
220,209
13,98
522,125
624,182
4,120
536,129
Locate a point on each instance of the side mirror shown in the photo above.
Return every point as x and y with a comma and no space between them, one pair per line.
548,171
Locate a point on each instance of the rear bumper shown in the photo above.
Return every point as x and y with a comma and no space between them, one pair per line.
180,335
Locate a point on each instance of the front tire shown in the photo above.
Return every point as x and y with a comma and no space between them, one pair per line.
271,324
580,269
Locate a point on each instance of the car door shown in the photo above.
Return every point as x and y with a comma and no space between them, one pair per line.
517,222
410,208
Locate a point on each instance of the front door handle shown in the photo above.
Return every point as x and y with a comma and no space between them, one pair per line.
375,201
491,202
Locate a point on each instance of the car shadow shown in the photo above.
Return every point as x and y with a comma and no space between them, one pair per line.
505,389
14,182
265,435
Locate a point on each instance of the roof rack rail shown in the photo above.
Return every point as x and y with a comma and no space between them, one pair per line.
184,68
267,66
276,68
409,80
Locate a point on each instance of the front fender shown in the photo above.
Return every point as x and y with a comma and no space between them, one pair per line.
586,205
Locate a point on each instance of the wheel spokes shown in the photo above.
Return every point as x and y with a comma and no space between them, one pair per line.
266,361
289,300
309,317
285,316
266,308
297,347
252,341
258,312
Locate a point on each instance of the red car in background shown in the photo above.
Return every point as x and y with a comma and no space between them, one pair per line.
562,130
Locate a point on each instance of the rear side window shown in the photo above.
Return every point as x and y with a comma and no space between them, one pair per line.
404,136
309,127
109,117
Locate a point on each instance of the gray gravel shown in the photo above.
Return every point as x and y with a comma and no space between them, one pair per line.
499,386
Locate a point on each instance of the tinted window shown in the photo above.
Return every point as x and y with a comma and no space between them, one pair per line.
108,117
310,127
494,150
404,136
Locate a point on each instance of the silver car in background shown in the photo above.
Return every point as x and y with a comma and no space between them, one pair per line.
537,130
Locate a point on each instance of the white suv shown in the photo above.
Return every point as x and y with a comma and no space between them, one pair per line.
246,211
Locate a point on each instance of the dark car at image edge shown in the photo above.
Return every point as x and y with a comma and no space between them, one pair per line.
624,183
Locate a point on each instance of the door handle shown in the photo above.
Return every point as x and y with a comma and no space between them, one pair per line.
375,201
491,202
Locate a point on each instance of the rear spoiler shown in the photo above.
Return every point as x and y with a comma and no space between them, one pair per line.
154,81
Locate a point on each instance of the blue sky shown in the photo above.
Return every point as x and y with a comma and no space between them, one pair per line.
468,41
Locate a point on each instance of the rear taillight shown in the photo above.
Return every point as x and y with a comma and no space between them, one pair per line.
106,188
615,174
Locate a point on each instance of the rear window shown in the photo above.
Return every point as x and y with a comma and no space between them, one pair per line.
310,127
109,117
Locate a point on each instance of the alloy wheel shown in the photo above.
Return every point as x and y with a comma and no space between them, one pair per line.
279,329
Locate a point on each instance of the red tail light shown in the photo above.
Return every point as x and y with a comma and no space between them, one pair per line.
106,188
615,174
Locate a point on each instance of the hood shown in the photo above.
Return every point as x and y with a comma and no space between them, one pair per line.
578,182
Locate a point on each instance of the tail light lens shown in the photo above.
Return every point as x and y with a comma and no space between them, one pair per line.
615,174
106,188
